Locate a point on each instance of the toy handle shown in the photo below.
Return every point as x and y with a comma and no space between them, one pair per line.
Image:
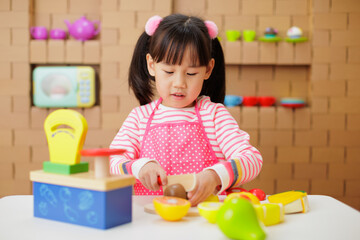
97,22
159,180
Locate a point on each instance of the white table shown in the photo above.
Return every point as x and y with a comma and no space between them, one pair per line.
327,219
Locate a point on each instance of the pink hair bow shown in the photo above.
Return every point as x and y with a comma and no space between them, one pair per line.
212,28
153,23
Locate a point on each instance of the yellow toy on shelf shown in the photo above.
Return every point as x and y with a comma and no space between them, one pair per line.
293,201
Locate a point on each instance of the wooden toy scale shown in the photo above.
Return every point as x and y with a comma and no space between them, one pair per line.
64,190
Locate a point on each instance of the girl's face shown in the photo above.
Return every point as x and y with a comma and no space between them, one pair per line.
179,85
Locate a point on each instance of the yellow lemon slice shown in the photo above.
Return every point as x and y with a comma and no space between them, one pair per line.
171,208
208,210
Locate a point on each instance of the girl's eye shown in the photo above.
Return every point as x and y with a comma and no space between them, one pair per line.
191,74
168,72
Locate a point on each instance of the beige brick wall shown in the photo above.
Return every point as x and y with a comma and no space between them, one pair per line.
315,149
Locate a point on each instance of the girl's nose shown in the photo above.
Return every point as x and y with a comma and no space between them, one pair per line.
179,81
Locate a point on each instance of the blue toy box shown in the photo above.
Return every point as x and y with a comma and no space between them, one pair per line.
82,199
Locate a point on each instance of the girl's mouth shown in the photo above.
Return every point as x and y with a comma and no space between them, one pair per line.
178,95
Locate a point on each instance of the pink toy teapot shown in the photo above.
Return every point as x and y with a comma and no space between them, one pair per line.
83,29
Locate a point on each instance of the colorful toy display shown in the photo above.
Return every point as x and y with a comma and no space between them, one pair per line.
63,193
83,29
171,208
237,219
293,201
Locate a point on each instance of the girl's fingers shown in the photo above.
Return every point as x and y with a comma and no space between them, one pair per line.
154,186
163,178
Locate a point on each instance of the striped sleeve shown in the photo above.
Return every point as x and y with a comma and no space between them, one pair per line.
129,138
243,161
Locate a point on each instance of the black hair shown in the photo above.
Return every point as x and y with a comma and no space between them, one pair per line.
174,33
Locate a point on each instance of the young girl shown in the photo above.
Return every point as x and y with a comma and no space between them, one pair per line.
187,129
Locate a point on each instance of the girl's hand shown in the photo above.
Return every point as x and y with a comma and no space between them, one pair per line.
206,183
149,173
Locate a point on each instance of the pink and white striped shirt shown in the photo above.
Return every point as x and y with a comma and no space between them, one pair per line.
239,162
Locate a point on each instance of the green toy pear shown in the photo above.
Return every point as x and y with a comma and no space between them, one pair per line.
237,219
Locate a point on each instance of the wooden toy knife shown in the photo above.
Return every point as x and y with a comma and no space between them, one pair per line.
187,180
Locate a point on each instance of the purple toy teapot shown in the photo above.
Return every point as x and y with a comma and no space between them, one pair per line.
83,29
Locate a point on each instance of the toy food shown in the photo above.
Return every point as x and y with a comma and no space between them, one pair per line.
235,189
252,198
208,210
293,201
176,190
171,208
270,213
260,194
237,219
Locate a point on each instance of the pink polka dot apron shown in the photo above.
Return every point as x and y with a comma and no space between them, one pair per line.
179,148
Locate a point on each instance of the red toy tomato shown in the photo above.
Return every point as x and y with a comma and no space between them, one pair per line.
260,194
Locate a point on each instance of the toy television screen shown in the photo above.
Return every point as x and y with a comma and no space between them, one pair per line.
64,86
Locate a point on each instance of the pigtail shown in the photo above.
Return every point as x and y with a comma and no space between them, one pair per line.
214,87
139,77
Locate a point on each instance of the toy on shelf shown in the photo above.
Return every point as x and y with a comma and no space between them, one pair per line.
64,86
39,33
292,102
66,191
293,201
249,35
232,100
294,34
266,101
270,35
250,101
232,35
57,33
83,29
